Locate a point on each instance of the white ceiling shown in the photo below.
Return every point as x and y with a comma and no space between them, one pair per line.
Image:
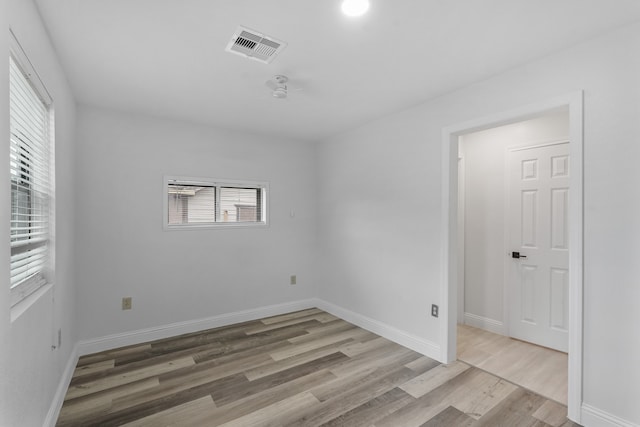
167,57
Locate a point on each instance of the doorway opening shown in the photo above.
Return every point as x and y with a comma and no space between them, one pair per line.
452,258
513,252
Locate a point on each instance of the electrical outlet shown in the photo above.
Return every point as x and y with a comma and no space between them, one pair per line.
126,303
293,280
434,310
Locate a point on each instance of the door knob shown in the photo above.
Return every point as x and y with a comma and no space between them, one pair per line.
517,255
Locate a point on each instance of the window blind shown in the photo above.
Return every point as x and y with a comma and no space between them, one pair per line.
29,124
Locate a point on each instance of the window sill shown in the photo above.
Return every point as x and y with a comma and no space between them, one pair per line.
23,306
216,226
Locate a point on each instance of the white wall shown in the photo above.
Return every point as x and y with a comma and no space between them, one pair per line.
387,264
484,238
31,369
176,276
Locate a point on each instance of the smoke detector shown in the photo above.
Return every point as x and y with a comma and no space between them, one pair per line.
255,45
278,86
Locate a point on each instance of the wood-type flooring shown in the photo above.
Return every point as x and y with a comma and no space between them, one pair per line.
306,368
541,370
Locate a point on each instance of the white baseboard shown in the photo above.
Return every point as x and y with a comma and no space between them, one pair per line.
166,331
594,417
428,348
491,325
61,391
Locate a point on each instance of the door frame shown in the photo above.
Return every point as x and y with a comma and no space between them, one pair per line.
449,284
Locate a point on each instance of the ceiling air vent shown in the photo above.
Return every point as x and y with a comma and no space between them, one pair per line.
254,45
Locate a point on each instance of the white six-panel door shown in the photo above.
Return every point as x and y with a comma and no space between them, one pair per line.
538,281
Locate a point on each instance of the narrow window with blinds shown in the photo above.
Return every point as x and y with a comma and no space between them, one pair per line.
202,203
30,124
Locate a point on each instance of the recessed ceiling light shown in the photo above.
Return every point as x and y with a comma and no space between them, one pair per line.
355,7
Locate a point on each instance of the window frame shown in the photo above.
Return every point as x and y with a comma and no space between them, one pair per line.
21,290
218,184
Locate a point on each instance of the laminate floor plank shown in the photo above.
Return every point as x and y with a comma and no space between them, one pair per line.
226,337
431,404
308,320
433,378
73,414
350,403
151,359
307,368
299,359
372,410
289,316
381,356
150,407
324,329
326,318
184,379
347,384
205,333
215,369
516,410
349,331
372,387
477,401
252,341
226,395
93,368
179,415
270,396
348,380
539,369
312,321
450,417
222,357
216,337
422,364
103,402
272,414
112,354
552,413
125,378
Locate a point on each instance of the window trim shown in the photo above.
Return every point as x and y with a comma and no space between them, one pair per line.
214,182
21,58
22,290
